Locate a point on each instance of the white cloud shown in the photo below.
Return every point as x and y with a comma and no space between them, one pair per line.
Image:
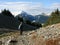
30,7
55,5
52,7
16,7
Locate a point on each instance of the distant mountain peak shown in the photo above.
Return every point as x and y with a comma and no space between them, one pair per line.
24,13
26,16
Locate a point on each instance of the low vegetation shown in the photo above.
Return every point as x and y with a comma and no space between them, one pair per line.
54,18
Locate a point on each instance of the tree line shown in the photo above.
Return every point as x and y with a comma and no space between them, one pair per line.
8,13
54,18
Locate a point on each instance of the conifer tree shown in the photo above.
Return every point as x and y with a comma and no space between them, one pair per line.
54,18
7,13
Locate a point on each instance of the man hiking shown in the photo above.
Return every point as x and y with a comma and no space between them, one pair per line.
20,28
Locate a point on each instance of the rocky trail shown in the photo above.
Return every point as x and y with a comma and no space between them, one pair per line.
49,35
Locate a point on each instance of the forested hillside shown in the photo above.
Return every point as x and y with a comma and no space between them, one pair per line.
54,18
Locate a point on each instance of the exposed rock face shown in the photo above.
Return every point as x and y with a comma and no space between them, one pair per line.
49,35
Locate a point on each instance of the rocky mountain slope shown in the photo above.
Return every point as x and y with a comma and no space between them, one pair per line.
41,18
49,35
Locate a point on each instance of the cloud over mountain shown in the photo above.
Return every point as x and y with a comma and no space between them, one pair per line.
33,8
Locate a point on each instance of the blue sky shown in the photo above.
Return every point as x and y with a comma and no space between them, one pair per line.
33,7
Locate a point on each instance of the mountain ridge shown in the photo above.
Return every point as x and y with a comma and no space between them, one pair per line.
25,15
